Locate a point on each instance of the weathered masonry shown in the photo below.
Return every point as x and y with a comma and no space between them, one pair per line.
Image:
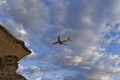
11,51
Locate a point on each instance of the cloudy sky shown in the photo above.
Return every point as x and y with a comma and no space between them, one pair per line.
94,26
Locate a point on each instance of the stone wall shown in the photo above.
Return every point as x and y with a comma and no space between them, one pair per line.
8,67
11,51
9,45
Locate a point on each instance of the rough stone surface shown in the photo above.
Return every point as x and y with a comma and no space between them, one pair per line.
11,51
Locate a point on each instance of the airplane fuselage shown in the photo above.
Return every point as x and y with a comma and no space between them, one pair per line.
61,42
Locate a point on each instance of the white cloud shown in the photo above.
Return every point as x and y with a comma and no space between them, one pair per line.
33,70
77,59
34,16
38,79
103,77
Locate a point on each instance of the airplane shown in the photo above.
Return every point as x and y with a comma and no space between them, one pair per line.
61,42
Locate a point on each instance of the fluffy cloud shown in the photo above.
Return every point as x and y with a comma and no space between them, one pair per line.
85,58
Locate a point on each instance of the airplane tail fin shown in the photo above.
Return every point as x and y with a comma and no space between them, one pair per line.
69,38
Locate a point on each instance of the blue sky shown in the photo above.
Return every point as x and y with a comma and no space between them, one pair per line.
94,25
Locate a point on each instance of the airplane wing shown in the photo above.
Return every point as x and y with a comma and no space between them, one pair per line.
59,39
57,42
